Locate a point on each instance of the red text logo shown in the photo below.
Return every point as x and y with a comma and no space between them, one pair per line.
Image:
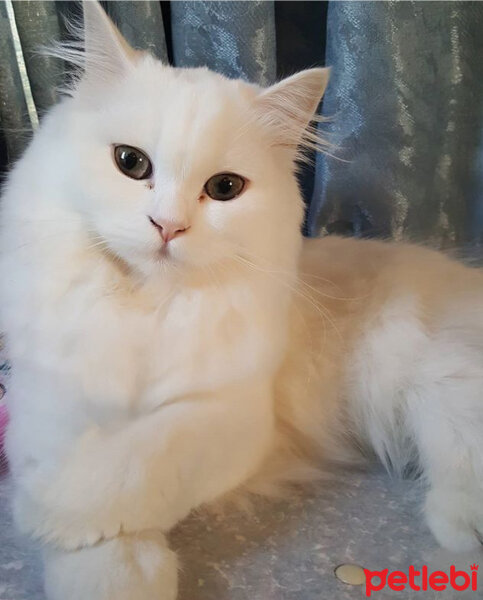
421,580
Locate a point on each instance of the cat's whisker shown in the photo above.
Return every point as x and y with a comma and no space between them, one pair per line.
318,307
319,278
302,282
244,250
100,244
322,310
316,291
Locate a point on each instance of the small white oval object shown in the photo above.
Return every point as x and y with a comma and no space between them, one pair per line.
350,574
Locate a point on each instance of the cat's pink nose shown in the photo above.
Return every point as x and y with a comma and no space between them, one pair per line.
168,229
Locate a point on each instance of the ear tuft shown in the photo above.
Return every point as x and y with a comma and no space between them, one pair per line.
103,41
287,109
107,54
97,48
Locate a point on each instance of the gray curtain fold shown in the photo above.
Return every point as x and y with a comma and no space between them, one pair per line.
233,38
38,25
475,228
406,101
14,117
141,23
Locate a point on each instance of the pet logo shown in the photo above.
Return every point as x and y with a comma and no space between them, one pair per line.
421,580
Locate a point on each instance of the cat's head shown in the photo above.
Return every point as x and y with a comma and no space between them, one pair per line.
184,166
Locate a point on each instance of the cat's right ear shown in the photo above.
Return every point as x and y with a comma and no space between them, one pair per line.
287,108
107,55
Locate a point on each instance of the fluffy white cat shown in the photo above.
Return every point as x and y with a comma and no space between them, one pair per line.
172,337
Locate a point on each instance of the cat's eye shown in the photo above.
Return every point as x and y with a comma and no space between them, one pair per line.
132,162
225,186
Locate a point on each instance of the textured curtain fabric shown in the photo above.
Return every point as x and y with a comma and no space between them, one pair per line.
141,23
405,100
14,114
233,38
38,25
406,103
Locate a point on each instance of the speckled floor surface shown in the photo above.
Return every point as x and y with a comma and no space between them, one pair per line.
285,550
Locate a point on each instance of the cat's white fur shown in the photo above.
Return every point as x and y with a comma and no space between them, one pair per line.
145,385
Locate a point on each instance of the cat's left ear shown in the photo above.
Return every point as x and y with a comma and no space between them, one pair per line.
288,107
107,54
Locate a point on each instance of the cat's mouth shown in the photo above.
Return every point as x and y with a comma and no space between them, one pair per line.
163,253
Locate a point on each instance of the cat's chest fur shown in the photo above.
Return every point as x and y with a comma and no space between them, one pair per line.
133,350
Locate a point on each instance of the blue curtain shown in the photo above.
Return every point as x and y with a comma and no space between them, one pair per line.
405,100
233,38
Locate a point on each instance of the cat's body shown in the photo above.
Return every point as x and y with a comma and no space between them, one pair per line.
404,371
150,377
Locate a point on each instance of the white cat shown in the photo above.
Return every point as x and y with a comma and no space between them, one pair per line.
172,337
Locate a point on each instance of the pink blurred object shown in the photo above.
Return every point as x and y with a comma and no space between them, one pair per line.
3,427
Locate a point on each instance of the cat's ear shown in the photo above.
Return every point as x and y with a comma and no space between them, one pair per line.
108,56
287,108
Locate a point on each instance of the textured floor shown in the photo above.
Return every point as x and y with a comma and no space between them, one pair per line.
285,550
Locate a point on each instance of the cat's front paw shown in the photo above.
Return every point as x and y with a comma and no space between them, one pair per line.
137,567
456,518
77,501
96,492
64,529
